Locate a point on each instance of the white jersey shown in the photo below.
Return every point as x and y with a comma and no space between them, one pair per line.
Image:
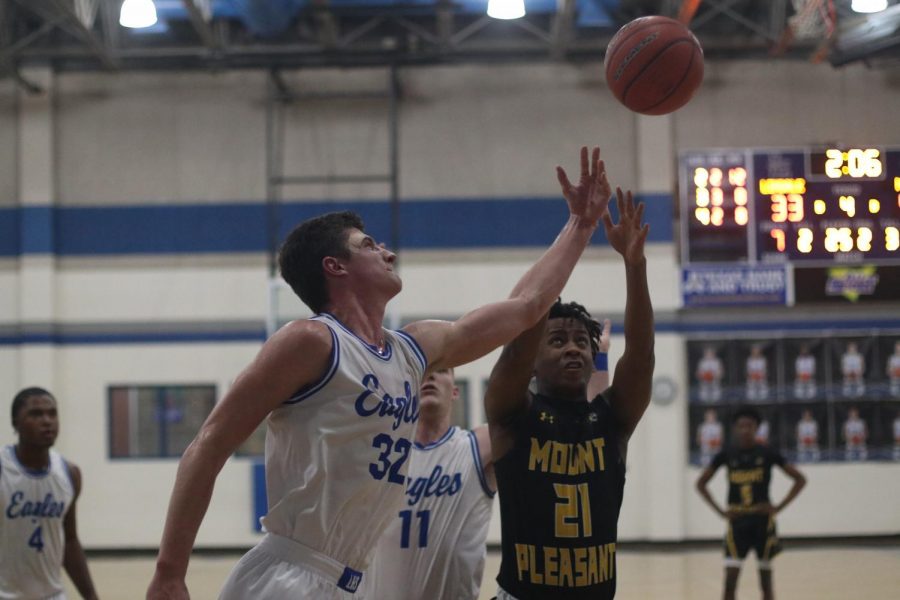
807,433
805,367
337,451
709,370
893,366
855,433
852,365
710,435
32,539
756,369
435,547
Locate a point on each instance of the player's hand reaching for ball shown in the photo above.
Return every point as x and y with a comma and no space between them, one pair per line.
588,200
628,235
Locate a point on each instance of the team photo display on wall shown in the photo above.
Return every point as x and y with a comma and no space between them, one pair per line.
834,398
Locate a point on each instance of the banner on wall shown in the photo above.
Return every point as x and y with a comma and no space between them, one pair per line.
734,286
847,284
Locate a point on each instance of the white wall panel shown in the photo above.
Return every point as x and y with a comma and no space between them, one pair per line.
8,144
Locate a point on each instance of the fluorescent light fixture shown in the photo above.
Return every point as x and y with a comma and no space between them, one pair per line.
137,14
506,9
868,6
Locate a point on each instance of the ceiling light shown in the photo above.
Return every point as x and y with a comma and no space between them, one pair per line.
868,6
137,14
506,9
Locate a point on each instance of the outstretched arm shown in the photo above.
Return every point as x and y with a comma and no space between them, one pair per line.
799,483
478,332
632,383
74,560
295,356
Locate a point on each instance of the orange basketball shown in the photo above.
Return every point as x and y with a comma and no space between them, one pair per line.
654,65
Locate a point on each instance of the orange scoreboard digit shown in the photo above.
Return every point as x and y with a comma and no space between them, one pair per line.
815,206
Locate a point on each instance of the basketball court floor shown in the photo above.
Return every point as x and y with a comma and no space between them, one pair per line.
827,573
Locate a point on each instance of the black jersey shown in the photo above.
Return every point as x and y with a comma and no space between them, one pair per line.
560,491
749,474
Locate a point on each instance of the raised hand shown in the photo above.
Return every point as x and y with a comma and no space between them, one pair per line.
628,235
604,336
590,198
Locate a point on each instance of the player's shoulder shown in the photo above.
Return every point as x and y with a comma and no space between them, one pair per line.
310,333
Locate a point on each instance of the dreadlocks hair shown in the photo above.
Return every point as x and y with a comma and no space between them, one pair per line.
573,310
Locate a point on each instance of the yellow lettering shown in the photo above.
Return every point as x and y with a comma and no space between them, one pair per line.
747,476
593,575
604,565
540,456
535,576
611,554
586,458
581,571
565,568
598,444
558,458
521,559
550,566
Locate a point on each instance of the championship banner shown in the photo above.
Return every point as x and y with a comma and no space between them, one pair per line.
734,286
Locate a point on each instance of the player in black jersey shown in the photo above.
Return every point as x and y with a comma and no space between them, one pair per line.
559,454
750,513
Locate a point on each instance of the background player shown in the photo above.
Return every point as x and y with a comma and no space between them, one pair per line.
343,396
709,436
560,457
709,376
750,514
805,374
808,437
893,371
38,490
856,434
853,367
757,374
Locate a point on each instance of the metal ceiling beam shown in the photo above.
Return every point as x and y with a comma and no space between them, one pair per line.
327,29
725,7
200,13
78,20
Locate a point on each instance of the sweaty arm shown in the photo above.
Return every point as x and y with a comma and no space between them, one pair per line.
295,356
507,390
74,561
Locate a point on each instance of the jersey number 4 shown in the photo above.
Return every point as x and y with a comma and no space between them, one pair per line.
388,464
36,541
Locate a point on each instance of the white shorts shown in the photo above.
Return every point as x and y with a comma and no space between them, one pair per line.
278,568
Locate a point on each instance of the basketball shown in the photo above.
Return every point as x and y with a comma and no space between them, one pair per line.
654,65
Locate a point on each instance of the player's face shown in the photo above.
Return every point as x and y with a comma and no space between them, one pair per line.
564,361
371,264
438,388
37,422
745,431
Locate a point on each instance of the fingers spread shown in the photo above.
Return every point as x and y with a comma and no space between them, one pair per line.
585,170
595,159
563,180
639,213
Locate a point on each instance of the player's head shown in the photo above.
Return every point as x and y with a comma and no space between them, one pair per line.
852,413
437,394
745,421
710,415
332,248
851,347
709,352
897,347
807,414
755,350
565,357
804,349
34,417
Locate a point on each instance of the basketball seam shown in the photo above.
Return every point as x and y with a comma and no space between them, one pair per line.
621,43
655,58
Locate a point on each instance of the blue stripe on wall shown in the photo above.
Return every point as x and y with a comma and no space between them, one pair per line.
214,228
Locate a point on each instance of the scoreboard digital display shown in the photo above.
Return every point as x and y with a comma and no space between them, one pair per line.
815,206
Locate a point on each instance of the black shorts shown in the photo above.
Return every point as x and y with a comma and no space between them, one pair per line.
752,531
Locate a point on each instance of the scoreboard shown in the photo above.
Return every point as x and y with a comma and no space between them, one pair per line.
810,206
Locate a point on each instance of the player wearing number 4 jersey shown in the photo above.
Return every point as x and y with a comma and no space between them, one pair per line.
38,489
750,514
559,451
341,396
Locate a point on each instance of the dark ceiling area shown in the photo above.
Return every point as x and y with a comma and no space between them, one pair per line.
77,35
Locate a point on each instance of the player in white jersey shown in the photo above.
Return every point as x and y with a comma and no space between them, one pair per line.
341,396
893,371
855,436
757,375
805,374
38,490
709,436
709,376
808,437
853,367
896,452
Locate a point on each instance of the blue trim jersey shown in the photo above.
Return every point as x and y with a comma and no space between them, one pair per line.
561,489
32,537
337,451
434,547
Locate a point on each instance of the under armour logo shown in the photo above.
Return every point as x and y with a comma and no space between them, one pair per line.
546,417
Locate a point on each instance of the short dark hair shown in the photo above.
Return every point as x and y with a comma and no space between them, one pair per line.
301,254
573,310
20,399
747,411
